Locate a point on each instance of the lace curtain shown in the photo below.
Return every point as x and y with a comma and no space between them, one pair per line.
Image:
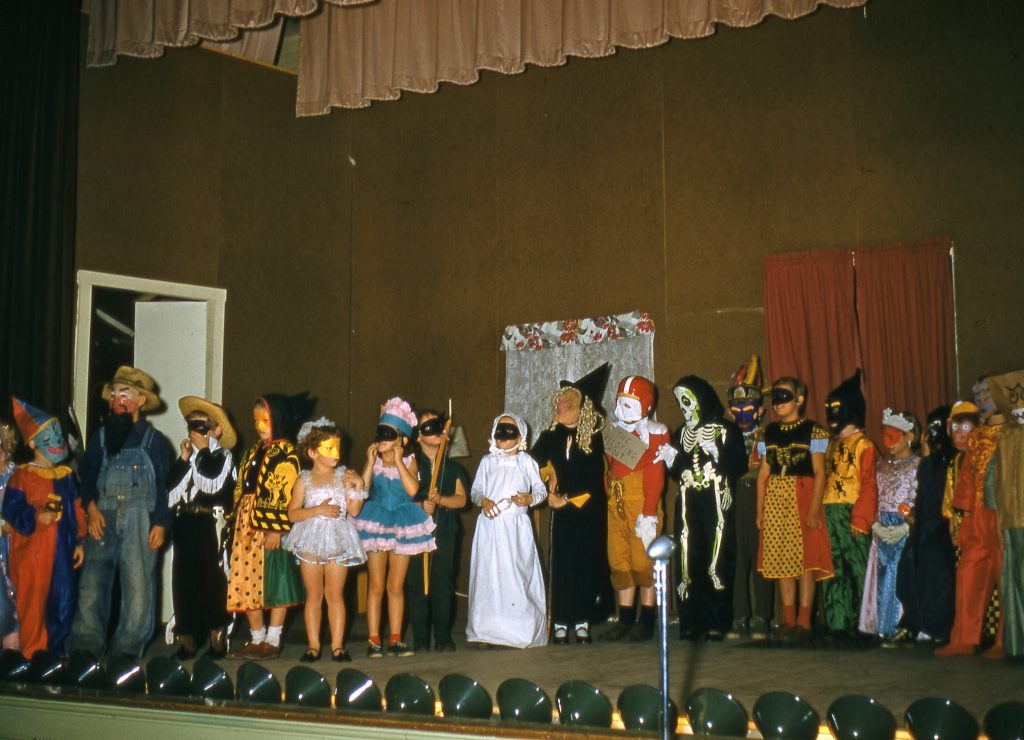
534,368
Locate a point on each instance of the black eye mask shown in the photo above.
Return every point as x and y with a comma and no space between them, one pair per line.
782,395
431,427
386,434
505,431
200,426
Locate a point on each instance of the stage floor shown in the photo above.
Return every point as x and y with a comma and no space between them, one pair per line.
820,672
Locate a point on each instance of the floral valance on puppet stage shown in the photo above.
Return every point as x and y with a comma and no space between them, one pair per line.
539,356
355,51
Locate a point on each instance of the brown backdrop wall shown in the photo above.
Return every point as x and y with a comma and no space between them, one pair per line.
382,251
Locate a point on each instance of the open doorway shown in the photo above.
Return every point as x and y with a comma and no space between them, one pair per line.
173,331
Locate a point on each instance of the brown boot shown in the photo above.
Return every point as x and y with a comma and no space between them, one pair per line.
186,647
218,644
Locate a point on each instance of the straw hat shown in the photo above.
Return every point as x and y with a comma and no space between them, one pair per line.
139,380
214,413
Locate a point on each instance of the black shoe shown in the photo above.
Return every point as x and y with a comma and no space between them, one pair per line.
640,632
310,656
560,637
374,650
186,647
615,633
400,650
714,636
421,647
340,656
583,636
445,647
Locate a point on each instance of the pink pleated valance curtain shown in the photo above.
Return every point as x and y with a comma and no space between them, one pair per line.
355,51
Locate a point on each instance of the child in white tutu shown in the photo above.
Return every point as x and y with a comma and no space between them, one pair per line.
322,538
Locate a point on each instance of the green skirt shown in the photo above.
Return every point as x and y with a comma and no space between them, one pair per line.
282,584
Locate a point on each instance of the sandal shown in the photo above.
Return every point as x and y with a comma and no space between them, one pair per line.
310,656
338,655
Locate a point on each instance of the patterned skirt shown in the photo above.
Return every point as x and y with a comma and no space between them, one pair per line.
260,579
788,547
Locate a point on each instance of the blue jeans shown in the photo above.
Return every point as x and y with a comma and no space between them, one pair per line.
124,551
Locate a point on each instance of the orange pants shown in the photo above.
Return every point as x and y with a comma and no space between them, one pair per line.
981,562
31,566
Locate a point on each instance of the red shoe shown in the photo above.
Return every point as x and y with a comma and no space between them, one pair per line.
954,648
994,653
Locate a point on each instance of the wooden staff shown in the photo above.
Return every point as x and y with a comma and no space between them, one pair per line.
435,476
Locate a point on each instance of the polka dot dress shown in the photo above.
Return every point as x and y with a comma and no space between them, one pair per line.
782,553
245,586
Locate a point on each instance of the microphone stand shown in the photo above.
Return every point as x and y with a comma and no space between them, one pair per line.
660,551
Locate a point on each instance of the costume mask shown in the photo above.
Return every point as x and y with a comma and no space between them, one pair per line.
49,441
845,405
747,413
960,428
506,431
1018,415
782,395
688,403
124,399
628,410
431,427
983,399
386,434
261,418
891,437
567,408
199,426
330,447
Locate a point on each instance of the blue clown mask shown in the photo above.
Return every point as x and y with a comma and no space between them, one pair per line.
49,442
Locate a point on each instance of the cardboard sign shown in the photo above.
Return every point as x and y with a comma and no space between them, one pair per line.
623,446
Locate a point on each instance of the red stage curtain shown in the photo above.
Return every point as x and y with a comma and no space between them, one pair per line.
810,328
905,312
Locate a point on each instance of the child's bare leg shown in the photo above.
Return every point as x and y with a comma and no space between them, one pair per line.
255,618
399,565
334,578
313,579
376,566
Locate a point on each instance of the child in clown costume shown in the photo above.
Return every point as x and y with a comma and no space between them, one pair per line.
44,511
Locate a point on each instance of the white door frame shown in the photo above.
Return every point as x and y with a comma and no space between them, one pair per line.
89,280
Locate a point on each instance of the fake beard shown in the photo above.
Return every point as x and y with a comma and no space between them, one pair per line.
115,431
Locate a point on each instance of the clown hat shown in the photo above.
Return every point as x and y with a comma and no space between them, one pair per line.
29,419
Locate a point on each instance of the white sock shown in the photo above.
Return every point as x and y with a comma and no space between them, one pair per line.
561,630
258,636
274,636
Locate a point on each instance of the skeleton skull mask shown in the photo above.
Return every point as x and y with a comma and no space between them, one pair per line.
688,403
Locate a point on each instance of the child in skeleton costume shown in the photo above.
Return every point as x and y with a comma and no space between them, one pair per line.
263,575
322,538
8,611
897,492
707,461
42,507
506,583
201,484
1007,474
980,564
790,488
851,497
570,453
926,581
746,406
636,480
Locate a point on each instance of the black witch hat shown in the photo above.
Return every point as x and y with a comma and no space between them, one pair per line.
592,384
